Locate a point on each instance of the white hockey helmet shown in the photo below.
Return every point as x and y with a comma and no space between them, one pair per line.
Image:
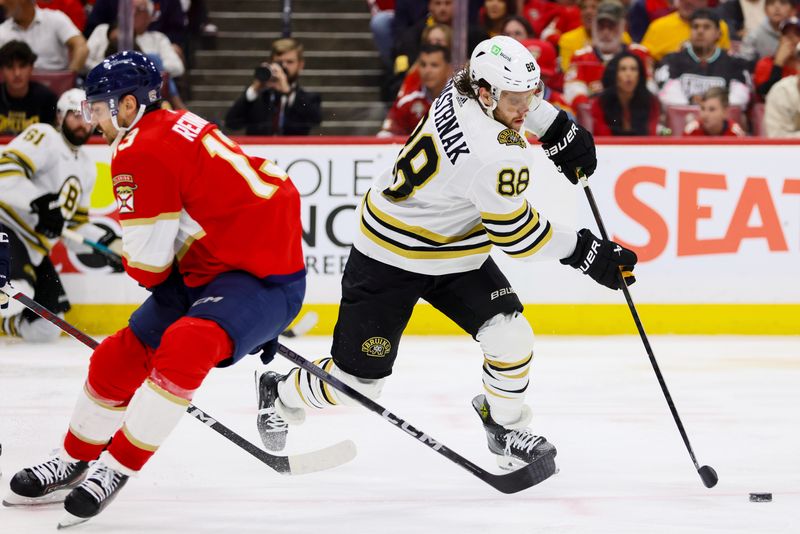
505,64
70,100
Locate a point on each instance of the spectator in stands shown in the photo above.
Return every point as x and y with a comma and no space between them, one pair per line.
668,34
71,8
54,39
518,28
625,106
713,117
434,70
642,12
584,77
684,76
493,14
275,104
168,18
782,110
408,43
580,37
763,41
381,24
437,34
103,40
742,16
550,19
22,102
769,70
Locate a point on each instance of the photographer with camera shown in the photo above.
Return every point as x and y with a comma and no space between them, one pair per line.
274,103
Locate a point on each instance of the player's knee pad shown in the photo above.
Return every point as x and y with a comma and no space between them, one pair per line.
506,337
38,330
118,366
368,387
189,349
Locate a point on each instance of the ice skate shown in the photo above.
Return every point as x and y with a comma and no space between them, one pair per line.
272,413
45,483
514,447
93,495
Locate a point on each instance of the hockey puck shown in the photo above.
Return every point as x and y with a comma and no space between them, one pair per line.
760,497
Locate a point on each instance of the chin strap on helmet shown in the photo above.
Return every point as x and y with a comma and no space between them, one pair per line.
122,130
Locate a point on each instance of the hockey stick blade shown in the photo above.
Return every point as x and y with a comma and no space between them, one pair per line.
306,323
530,475
309,462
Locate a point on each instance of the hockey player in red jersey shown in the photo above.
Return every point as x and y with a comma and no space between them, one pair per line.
215,235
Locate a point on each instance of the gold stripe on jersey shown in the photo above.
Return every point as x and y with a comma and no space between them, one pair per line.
81,216
535,246
146,221
20,159
527,226
510,366
37,241
188,243
421,252
148,268
11,172
504,218
418,232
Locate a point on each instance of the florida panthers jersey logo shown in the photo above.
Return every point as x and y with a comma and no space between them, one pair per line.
123,190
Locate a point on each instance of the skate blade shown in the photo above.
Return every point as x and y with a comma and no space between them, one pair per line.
55,497
70,520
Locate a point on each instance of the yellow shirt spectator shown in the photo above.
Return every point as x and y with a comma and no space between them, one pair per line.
667,34
574,40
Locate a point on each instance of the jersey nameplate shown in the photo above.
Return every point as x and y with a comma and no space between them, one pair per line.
448,128
189,126
511,138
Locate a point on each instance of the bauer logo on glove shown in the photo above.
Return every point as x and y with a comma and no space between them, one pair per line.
602,259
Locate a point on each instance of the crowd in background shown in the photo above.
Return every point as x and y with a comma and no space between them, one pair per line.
620,67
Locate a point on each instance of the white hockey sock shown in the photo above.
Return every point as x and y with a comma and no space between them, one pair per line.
506,384
302,389
94,419
154,411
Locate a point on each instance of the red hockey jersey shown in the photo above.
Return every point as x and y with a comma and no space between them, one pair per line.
189,194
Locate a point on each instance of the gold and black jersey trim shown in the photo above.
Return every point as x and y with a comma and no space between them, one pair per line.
38,242
417,232
536,245
527,226
11,160
81,217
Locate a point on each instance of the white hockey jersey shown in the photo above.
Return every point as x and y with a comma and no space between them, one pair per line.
36,162
457,189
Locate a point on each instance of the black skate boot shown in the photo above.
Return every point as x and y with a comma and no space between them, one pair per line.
514,447
271,427
45,483
93,495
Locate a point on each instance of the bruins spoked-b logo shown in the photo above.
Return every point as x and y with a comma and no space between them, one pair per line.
377,347
511,137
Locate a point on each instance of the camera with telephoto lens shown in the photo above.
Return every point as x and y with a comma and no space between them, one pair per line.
264,72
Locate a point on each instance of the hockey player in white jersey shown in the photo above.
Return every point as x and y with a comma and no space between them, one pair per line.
425,231
46,182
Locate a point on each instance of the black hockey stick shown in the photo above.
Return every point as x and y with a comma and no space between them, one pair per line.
297,464
706,472
301,327
512,482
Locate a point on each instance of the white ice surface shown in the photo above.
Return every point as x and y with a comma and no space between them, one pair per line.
624,467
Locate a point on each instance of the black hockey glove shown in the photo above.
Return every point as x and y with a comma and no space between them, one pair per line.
602,260
112,242
51,220
570,146
5,265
